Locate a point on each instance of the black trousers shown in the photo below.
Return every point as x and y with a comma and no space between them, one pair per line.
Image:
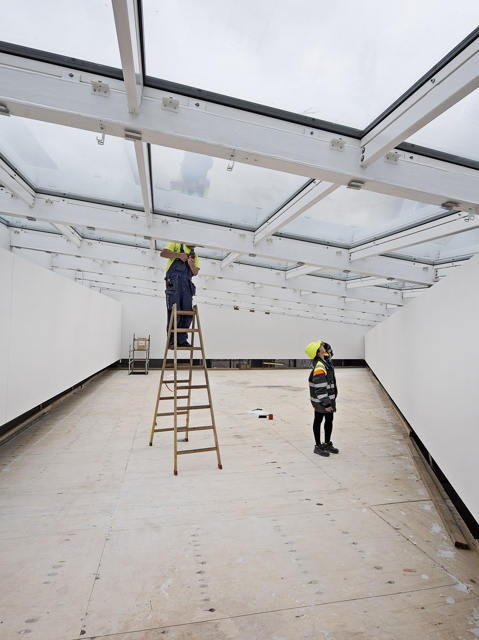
328,426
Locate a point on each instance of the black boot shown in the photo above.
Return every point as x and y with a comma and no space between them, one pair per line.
320,450
328,446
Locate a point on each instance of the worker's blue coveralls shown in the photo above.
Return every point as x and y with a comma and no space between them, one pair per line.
180,291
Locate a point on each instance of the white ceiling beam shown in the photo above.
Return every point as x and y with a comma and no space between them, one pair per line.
301,271
295,208
122,221
16,184
141,152
230,258
449,85
128,33
152,248
69,233
374,298
42,91
111,283
364,309
368,282
214,290
450,225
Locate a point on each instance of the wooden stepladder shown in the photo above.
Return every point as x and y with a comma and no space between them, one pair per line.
184,385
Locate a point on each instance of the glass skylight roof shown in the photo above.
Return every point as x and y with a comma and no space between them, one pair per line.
456,131
199,187
460,245
347,217
66,161
335,61
31,225
279,265
84,30
116,238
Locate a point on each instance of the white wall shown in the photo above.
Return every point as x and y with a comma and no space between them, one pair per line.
426,356
238,334
53,334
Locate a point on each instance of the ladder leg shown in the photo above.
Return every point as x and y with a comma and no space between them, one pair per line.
161,383
210,402
175,394
190,379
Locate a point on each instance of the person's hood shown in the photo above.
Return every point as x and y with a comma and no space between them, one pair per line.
312,349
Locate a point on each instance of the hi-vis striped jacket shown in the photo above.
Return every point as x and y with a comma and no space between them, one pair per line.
322,386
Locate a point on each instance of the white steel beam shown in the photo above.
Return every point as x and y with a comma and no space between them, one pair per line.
237,292
368,282
295,208
69,233
101,217
230,258
16,184
363,309
450,85
372,299
128,33
31,89
301,271
141,153
450,225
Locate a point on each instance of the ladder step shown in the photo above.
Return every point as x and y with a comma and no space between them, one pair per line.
182,429
186,330
173,397
184,367
186,349
185,313
194,386
172,413
196,451
195,406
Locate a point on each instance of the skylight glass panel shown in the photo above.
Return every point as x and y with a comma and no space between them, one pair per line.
61,160
30,225
116,238
266,263
330,60
456,131
455,247
84,30
349,217
199,187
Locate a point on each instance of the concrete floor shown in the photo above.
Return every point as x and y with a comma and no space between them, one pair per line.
100,540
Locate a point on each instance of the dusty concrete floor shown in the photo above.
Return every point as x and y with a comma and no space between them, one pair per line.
100,540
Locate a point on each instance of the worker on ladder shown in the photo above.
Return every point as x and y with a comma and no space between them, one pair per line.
182,265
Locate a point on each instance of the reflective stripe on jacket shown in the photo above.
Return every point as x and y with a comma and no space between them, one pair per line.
322,386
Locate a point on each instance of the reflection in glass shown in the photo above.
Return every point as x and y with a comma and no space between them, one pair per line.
328,60
84,30
456,131
61,160
198,187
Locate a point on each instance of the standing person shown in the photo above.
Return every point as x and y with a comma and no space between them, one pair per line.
323,392
182,265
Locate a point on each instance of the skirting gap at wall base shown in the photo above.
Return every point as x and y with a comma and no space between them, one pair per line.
11,429
235,363
469,520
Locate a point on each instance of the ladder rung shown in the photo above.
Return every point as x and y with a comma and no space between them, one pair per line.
182,429
184,367
196,451
186,349
186,330
195,406
173,397
185,313
194,386
172,413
